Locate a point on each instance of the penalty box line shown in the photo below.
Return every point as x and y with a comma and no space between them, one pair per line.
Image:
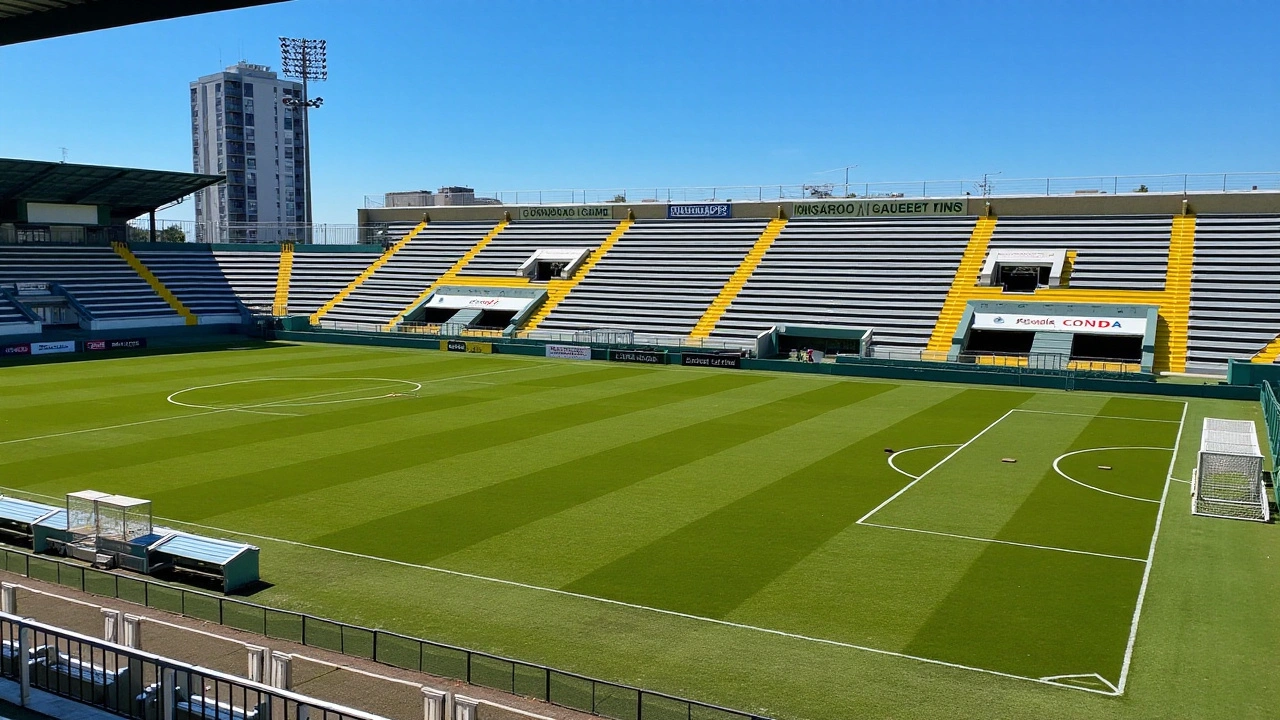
620,603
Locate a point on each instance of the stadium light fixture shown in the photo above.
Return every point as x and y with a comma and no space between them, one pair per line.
306,60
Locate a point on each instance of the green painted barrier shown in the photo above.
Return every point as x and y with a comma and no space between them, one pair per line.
1271,415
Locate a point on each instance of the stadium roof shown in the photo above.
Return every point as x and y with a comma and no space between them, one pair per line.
24,20
128,191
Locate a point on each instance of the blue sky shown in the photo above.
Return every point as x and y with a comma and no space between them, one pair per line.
522,95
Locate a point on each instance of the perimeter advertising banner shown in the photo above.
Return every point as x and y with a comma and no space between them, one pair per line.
11,350
877,208
568,212
700,211
466,346
569,352
648,357
711,360
50,348
1061,323
126,344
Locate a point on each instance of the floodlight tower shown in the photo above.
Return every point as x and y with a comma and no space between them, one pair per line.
306,60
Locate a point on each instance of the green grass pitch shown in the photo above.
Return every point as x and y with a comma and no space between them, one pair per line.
796,545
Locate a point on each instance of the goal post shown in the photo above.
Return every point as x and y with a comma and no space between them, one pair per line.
1228,480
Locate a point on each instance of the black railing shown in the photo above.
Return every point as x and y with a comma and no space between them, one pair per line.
566,689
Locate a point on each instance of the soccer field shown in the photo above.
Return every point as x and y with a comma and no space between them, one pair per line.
802,546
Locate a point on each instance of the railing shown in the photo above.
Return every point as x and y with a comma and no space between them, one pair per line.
1032,363
988,186
1271,416
136,684
603,338
236,232
566,689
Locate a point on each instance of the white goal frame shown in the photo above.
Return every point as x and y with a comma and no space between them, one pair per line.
1228,481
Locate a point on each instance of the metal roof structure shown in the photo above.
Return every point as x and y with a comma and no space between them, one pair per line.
129,192
26,20
24,511
202,549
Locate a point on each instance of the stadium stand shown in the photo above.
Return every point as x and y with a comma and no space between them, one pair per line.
251,274
1113,253
101,281
503,255
659,278
398,282
892,275
1235,290
197,280
318,276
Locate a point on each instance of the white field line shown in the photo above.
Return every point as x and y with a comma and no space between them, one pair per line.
1097,449
50,436
291,402
1185,482
1004,542
922,447
1151,555
1104,417
1101,679
863,519
607,601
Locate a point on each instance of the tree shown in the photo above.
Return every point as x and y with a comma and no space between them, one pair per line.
173,234
619,198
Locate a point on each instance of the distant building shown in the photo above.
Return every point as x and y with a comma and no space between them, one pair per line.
452,195
241,129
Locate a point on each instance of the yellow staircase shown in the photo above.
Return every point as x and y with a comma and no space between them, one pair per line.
1269,353
281,305
1174,301
720,305
964,287
558,290
450,276
145,273
1176,306
382,260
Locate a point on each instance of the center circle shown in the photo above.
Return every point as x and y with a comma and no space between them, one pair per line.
290,392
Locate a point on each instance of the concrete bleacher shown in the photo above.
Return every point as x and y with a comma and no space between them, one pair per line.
891,275
13,320
318,276
658,278
101,281
392,287
503,255
197,280
1235,289
1112,253
251,275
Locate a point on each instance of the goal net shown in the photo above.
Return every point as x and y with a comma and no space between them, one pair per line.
1228,478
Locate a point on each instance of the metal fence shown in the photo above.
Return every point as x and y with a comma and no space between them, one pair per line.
604,337
1033,362
988,186
140,685
570,690
218,232
1271,416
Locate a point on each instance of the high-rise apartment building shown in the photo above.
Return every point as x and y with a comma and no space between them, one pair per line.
241,128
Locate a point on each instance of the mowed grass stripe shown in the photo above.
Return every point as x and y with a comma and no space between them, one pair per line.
558,549
334,466
432,531
116,449
711,566
337,507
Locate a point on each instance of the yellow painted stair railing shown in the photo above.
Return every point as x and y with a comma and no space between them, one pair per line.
964,287
558,290
281,305
368,272
718,307
450,276
145,273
